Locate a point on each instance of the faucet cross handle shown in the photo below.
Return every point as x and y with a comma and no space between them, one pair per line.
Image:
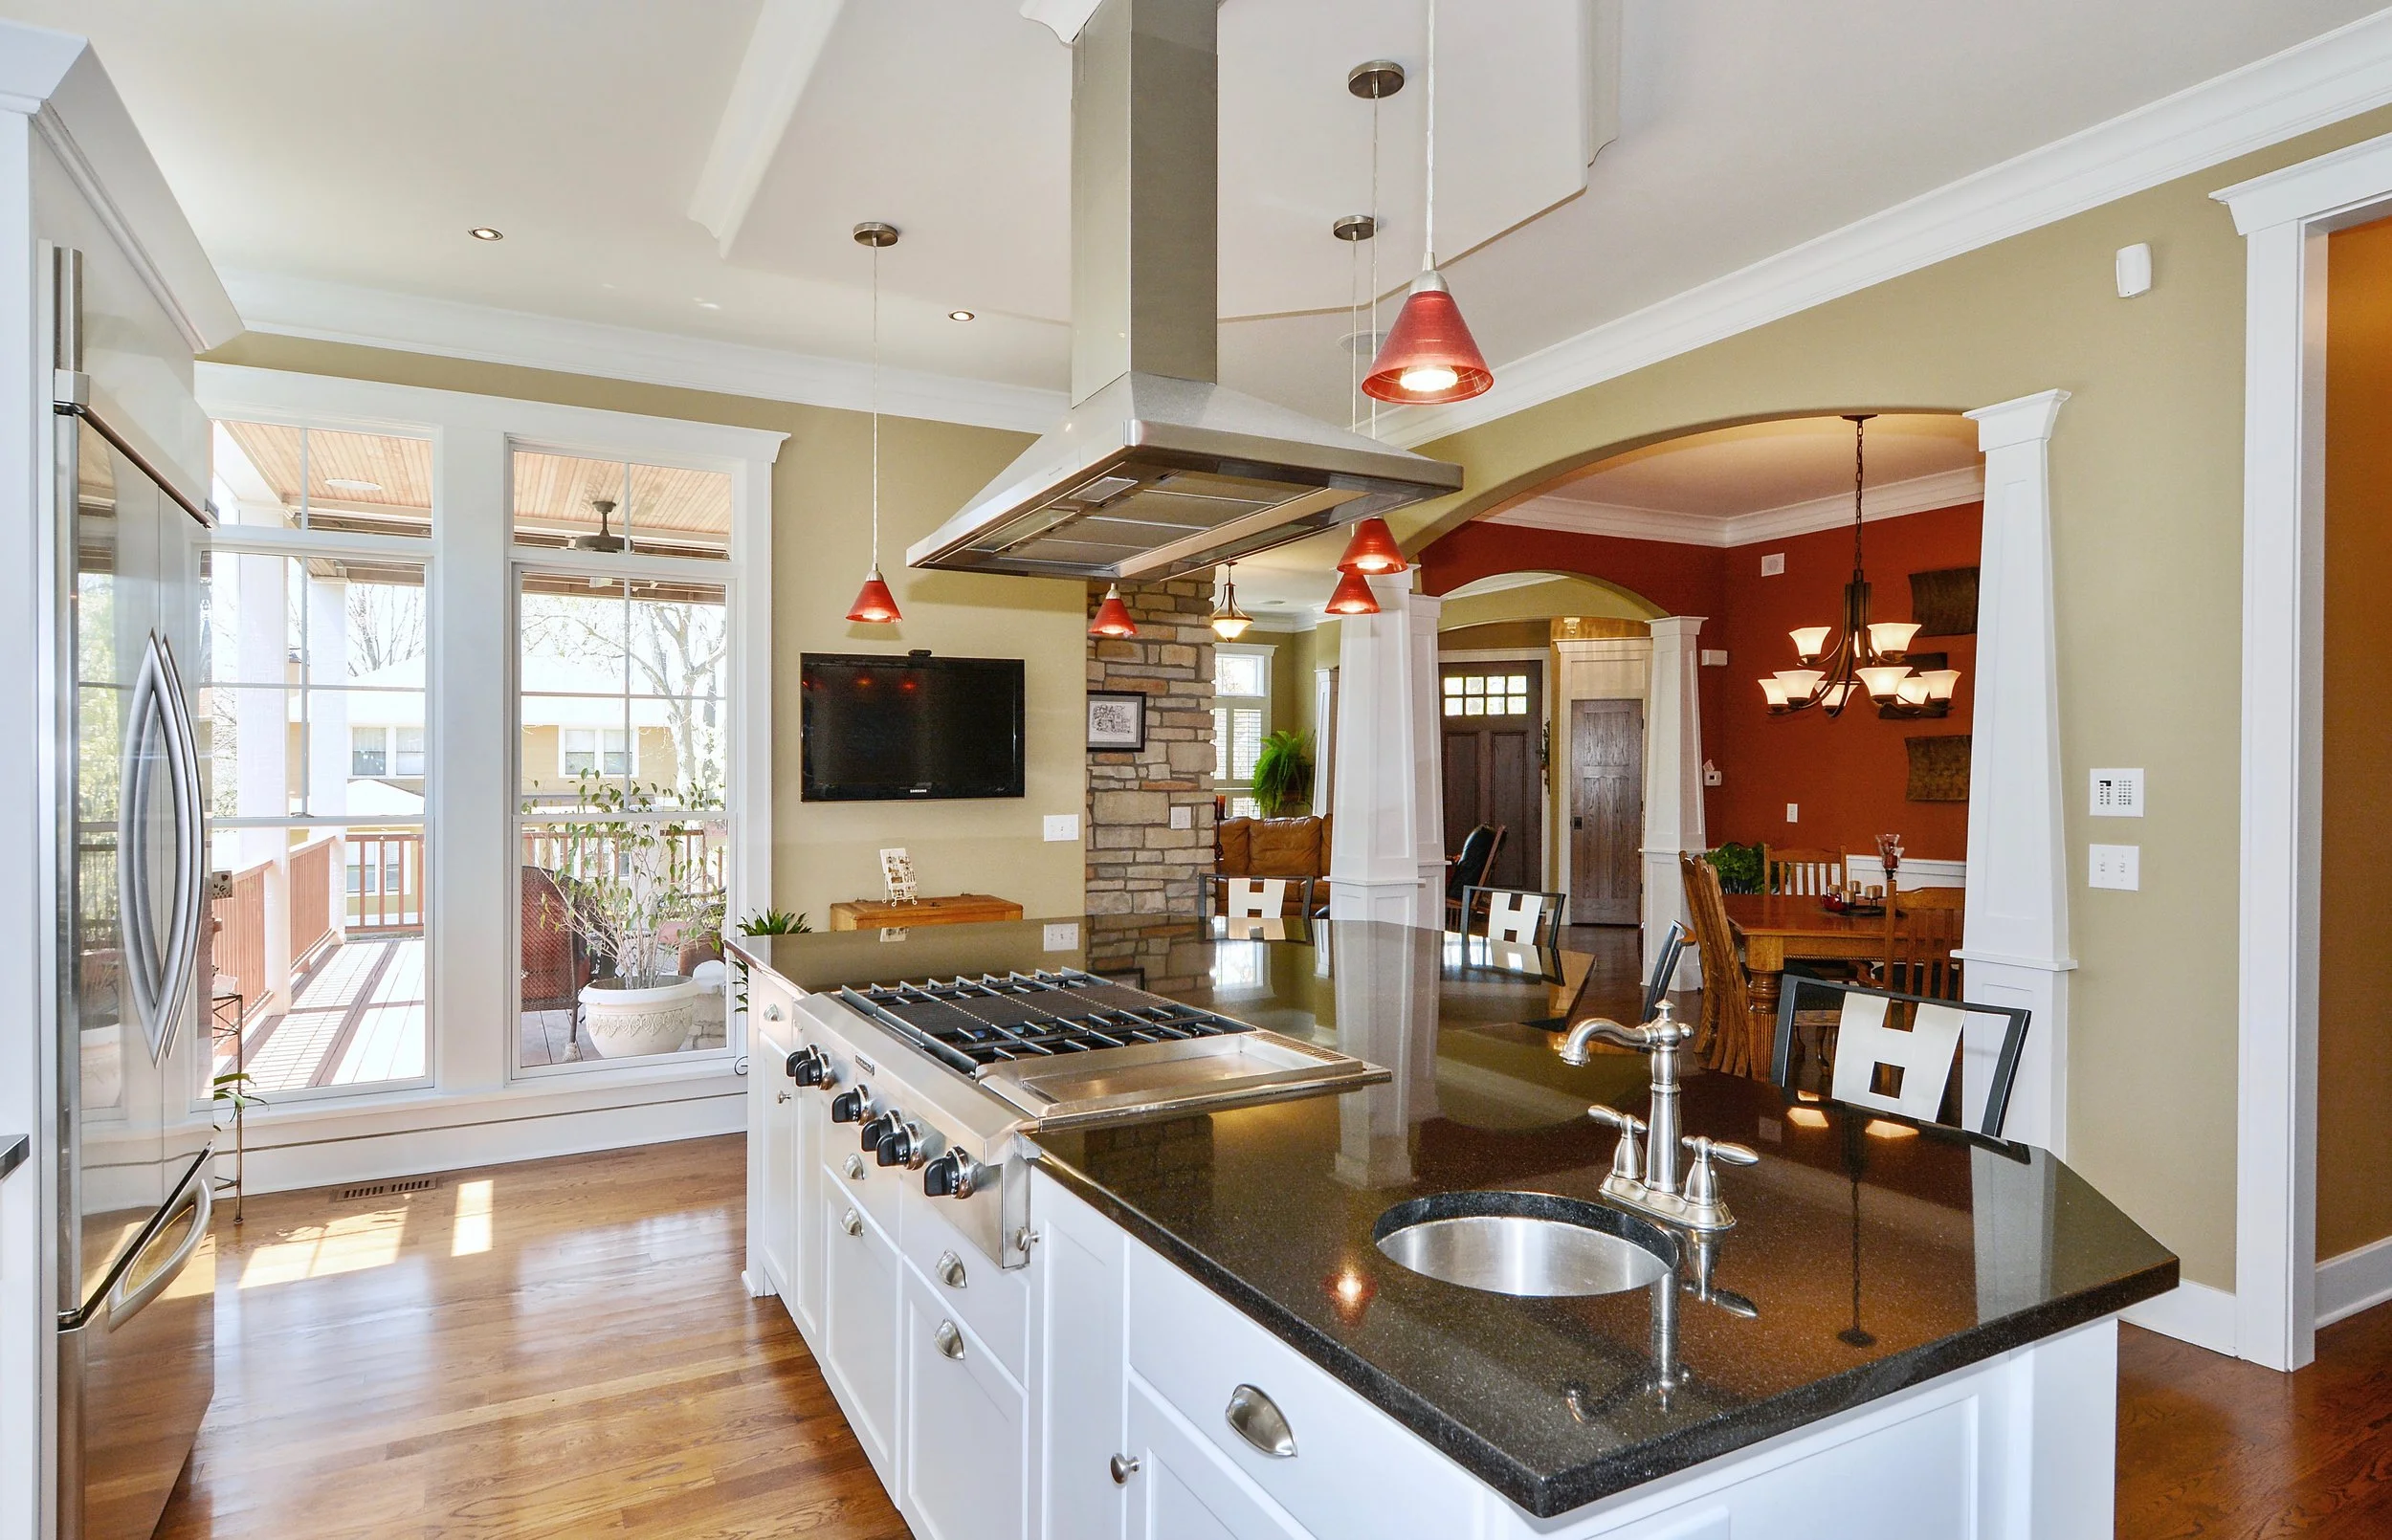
1628,1157
1666,1029
1702,1183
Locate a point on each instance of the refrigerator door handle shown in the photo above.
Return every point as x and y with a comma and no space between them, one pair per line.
190,847
160,969
199,1193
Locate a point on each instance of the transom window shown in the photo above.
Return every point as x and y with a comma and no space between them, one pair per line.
567,501
1489,695
323,479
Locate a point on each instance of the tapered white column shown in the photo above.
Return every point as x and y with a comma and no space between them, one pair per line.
1386,858
1674,778
2016,940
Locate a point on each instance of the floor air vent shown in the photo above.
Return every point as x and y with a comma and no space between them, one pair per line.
386,1188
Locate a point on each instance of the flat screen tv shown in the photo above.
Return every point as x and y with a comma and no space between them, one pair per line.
911,727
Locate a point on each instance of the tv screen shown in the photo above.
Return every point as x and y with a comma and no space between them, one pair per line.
912,727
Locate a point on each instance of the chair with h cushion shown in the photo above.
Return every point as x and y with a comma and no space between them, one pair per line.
1261,897
1665,962
1515,914
1903,1054
1468,870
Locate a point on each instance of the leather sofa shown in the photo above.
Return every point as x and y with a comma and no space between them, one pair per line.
1272,848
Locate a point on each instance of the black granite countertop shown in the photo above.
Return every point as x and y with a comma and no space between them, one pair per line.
1874,1255
12,1152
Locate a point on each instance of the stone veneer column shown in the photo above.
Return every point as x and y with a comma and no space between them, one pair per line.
1137,864
1673,779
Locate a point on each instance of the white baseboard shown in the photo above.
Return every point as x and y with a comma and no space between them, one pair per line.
375,1157
2353,1280
2190,1312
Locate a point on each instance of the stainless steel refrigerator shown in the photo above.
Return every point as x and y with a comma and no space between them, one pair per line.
136,1287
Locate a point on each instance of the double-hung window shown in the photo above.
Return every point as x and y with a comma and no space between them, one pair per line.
1241,717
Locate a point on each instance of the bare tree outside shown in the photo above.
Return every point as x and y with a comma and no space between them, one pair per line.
385,626
672,649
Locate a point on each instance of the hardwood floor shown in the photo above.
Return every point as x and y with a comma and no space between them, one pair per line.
564,1348
553,1349
2213,1446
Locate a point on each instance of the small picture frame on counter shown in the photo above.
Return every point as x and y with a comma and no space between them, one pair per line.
1117,721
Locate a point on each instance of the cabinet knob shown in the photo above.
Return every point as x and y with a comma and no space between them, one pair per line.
1258,1418
781,1096
950,1269
1123,1468
852,1222
772,1013
948,1340
854,1168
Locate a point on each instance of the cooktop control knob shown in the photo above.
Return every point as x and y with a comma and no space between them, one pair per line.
807,1066
850,1106
878,1129
902,1146
952,1174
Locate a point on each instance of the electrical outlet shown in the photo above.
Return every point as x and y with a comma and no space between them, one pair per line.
2117,793
2116,866
1063,826
1182,817
1773,566
1793,812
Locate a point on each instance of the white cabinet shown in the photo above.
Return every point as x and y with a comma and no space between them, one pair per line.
1184,1490
1078,1378
858,1344
966,1427
774,1100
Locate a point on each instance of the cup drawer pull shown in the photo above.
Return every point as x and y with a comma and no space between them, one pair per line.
948,1340
852,1222
950,1269
1257,1420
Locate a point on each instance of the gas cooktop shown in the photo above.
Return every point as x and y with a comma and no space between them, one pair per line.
971,1026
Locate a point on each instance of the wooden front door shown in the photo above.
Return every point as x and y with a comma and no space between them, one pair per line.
1606,811
1494,717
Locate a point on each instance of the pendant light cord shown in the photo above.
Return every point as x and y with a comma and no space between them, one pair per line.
875,411
1375,296
1860,425
1429,196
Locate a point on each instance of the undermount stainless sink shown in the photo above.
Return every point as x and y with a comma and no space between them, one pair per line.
1529,1245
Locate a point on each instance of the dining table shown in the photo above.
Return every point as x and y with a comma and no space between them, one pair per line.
1775,927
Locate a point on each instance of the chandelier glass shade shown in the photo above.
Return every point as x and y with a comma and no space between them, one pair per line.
1229,621
1860,659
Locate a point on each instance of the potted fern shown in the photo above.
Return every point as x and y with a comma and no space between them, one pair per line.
1283,773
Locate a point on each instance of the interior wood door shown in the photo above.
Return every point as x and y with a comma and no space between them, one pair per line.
1606,811
1495,719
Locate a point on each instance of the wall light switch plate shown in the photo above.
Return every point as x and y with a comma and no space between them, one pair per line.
2116,866
1063,826
1183,818
2117,793
1793,812
1064,937
1715,657
1711,775
1773,566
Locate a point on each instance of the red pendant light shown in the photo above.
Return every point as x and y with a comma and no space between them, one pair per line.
1112,617
1353,596
875,605
1373,551
1430,356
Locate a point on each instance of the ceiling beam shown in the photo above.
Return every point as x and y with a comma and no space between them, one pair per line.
782,53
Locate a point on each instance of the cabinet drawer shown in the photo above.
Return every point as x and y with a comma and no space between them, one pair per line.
995,1303
855,1180
1185,1489
1353,1470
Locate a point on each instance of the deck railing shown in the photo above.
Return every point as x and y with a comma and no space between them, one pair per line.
388,890
241,936
311,899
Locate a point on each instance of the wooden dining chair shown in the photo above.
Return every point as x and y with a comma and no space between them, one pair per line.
1803,873
1901,1053
1730,1033
1468,870
1514,914
1919,940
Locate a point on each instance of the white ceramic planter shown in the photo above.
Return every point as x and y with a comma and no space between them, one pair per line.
630,1023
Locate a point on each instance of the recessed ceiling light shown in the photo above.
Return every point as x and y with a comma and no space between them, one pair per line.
483,232
347,484
708,304
961,315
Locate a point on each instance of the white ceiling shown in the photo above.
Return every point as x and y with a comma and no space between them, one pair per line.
351,145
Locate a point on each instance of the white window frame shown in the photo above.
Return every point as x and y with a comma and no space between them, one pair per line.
471,745
1228,785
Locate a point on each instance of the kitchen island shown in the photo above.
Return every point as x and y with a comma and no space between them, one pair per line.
1907,1333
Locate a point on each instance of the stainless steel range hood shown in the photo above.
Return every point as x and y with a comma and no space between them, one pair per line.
1157,470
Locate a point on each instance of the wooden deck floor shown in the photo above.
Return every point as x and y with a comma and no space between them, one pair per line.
564,1348
546,1350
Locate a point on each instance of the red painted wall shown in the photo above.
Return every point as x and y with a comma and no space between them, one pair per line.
1847,776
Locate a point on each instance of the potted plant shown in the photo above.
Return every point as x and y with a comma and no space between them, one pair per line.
765,921
1283,773
629,880
1739,867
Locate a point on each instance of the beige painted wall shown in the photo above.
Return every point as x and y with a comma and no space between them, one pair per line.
2146,469
821,491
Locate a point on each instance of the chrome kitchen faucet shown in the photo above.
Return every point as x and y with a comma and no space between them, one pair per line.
1644,1166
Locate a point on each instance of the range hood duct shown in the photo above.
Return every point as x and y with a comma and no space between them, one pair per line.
1157,470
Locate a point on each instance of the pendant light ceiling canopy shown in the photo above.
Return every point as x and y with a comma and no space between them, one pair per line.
1112,617
1862,658
1430,356
875,605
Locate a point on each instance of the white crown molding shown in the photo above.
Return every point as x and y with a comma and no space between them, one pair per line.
2307,86
778,63
1945,489
410,323
57,80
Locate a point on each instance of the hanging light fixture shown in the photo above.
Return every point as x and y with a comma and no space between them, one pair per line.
1372,551
874,604
1229,621
1353,596
1867,658
1112,617
1428,356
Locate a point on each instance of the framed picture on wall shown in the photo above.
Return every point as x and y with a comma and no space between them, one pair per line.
1117,719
